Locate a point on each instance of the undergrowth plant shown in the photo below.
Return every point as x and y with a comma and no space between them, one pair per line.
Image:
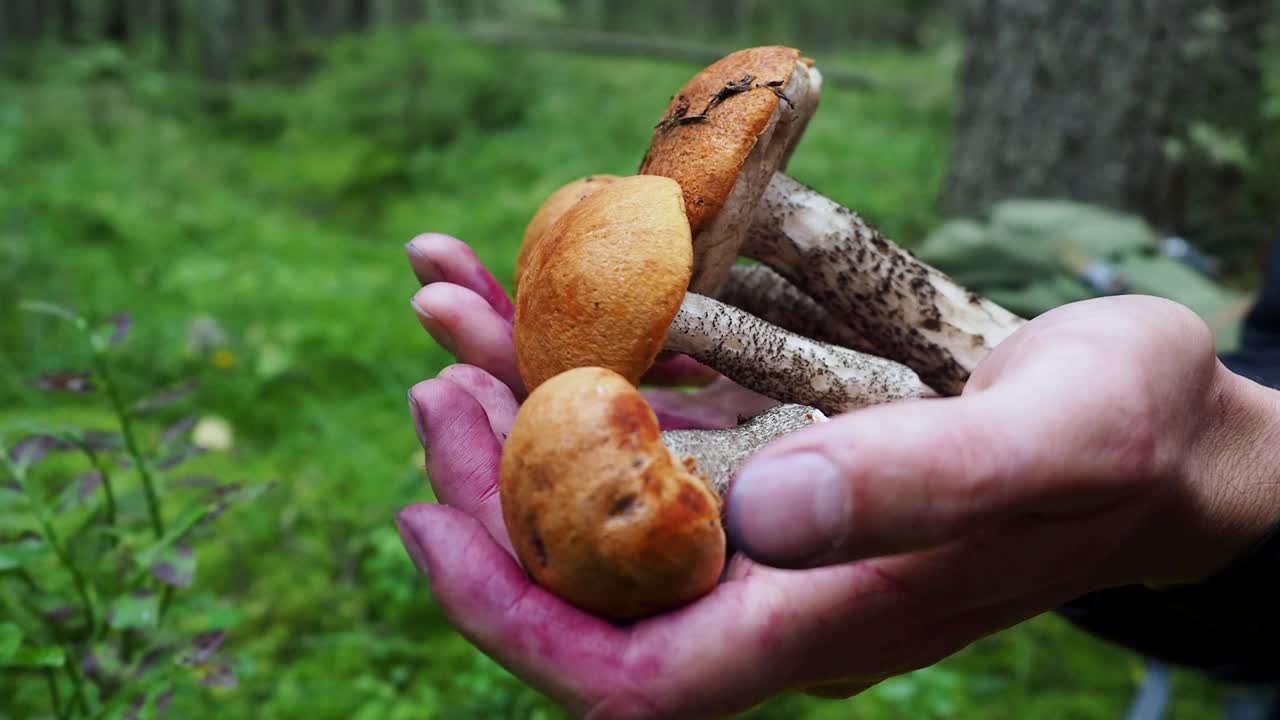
98,538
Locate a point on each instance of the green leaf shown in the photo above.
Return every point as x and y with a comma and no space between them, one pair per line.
147,558
37,656
18,554
135,610
13,655
10,639
47,308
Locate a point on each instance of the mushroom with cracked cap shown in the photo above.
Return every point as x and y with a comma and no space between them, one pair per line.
726,137
611,514
606,286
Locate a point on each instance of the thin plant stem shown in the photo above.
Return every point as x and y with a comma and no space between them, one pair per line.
77,683
108,490
54,696
131,443
46,523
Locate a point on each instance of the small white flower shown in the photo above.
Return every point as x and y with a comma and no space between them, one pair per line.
213,433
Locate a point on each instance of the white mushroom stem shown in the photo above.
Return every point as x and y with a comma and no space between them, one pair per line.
761,291
785,366
718,454
912,312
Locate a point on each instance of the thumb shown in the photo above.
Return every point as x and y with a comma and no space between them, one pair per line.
908,476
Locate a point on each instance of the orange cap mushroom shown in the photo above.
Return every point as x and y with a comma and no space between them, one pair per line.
724,135
598,510
551,209
606,287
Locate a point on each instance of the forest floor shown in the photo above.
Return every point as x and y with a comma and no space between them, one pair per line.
255,230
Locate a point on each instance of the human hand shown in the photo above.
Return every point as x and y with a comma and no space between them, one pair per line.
1069,464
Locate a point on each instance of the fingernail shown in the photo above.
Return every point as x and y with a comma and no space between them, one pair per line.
434,326
790,510
419,421
412,545
424,268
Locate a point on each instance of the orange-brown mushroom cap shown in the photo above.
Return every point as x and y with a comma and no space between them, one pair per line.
598,510
551,210
605,281
704,156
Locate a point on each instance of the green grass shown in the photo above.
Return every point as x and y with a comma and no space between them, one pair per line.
276,211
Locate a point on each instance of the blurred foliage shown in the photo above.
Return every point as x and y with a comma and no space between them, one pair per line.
254,228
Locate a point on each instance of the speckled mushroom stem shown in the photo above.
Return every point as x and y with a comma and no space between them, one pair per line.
785,366
910,311
718,454
761,291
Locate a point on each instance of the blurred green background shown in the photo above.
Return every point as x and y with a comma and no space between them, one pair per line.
241,177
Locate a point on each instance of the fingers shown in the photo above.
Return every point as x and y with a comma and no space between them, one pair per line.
721,404
440,258
463,454
913,475
708,659
469,328
496,398
572,656
674,370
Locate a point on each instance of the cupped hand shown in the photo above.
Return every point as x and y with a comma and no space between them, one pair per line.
1094,448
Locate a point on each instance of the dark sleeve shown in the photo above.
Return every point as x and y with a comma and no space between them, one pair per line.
1228,626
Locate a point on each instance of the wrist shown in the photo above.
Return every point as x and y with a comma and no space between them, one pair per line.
1231,474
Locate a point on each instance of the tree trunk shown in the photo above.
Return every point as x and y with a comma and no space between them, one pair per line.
1113,103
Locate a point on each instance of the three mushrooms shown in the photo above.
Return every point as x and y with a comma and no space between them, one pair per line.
603,508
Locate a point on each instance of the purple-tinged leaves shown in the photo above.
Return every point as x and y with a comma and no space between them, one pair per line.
164,398
178,456
120,324
202,647
88,483
61,614
221,676
103,661
101,440
32,449
177,430
176,567
164,700
198,482
79,492
66,381
135,708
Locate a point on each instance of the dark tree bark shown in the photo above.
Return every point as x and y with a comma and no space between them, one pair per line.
116,27
68,20
358,15
1101,101
171,26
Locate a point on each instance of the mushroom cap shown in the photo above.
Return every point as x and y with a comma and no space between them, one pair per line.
705,156
723,136
599,511
603,285
551,210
